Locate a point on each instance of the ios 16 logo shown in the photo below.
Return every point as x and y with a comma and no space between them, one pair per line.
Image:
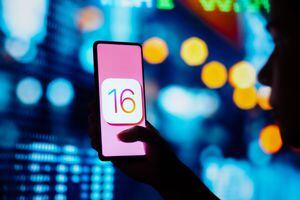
121,101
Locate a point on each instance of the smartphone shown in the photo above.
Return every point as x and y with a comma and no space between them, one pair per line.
119,79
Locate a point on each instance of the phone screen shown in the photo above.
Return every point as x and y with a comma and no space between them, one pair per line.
121,96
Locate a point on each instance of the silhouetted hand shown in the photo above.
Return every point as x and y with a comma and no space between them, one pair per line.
158,160
160,167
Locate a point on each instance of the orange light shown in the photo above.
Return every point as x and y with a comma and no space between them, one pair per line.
155,50
242,75
194,51
89,18
263,97
270,139
245,98
214,75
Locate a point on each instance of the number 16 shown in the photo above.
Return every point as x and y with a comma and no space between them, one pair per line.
123,100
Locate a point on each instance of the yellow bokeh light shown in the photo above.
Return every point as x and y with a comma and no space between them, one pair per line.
270,139
155,50
245,98
214,75
194,51
263,97
242,75
90,18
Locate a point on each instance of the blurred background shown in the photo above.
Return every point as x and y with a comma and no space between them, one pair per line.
201,60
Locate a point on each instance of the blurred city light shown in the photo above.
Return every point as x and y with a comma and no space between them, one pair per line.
214,75
165,4
29,90
127,3
177,101
90,18
263,97
60,92
211,154
24,20
230,179
155,50
256,155
242,75
5,94
20,50
235,6
258,40
121,22
188,103
9,134
206,102
86,55
245,98
270,139
194,51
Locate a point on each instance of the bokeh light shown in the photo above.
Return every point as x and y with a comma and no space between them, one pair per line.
188,103
5,94
60,92
9,134
242,75
176,101
24,20
256,155
206,102
263,97
214,75
20,50
194,51
245,98
155,50
270,139
90,18
29,90
229,178
86,55
165,4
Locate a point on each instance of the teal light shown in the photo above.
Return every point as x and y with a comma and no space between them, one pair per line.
60,92
29,91
165,4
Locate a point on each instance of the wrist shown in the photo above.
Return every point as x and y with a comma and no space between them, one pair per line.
172,178
179,182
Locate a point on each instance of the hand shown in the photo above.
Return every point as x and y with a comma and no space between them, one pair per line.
149,169
158,161
159,168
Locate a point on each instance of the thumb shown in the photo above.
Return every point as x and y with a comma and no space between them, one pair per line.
135,134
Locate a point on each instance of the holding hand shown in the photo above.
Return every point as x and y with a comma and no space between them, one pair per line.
160,167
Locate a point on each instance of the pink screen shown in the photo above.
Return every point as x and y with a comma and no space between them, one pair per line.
121,96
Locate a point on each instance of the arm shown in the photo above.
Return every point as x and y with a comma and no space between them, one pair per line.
161,168
170,177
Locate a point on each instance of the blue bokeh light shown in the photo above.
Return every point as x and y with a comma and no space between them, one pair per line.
62,168
8,140
256,154
60,92
29,90
230,179
258,41
188,103
20,50
60,188
61,178
5,88
86,55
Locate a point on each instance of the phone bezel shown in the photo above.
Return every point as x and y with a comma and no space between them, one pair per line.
95,56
